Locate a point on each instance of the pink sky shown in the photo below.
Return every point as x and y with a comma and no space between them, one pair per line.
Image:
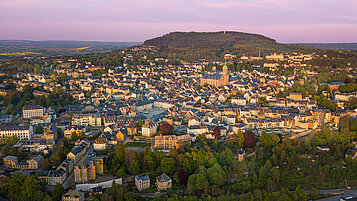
138,20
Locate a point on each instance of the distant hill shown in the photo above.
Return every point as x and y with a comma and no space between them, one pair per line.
334,46
212,45
20,48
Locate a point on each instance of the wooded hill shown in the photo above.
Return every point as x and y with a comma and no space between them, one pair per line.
213,45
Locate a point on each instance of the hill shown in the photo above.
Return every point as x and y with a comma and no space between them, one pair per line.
213,45
20,48
334,46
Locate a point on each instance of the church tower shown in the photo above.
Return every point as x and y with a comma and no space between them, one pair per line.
225,75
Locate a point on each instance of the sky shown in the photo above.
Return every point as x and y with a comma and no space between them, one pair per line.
286,21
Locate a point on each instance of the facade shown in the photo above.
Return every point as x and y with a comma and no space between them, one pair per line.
30,164
149,129
163,182
78,151
87,120
29,111
121,134
21,132
73,195
88,169
171,141
69,130
53,177
142,182
217,80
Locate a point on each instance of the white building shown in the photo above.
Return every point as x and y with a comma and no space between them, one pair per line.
21,132
87,120
29,111
149,129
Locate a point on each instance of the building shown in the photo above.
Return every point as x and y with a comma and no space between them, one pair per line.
121,134
21,132
216,79
149,129
53,177
241,155
142,182
29,111
88,169
87,120
163,182
132,127
30,164
171,141
75,129
78,151
73,195
100,143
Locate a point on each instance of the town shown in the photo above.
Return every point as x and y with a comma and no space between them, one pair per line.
159,126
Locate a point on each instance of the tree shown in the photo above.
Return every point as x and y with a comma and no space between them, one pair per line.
58,192
182,177
121,173
249,140
134,167
29,188
266,139
165,129
45,164
140,123
168,165
39,130
217,131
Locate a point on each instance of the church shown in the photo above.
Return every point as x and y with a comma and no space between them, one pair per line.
216,79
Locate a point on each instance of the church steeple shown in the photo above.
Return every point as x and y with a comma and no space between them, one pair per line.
225,69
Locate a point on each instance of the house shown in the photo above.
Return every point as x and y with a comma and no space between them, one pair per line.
163,182
149,129
121,134
241,155
352,153
100,143
73,195
142,182
30,164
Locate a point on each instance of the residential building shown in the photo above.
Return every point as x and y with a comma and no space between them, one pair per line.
163,182
149,129
142,182
21,132
29,111
30,164
73,195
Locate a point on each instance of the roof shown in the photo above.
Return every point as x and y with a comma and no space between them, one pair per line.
143,178
212,76
32,107
14,128
163,178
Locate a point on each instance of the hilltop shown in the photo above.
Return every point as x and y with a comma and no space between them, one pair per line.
210,45
20,48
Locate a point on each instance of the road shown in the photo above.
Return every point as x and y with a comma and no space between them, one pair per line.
337,198
58,143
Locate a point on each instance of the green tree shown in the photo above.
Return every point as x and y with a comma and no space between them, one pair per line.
134,167
58,192
266,139
168,165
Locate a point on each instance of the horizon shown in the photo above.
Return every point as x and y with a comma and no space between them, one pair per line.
287,21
